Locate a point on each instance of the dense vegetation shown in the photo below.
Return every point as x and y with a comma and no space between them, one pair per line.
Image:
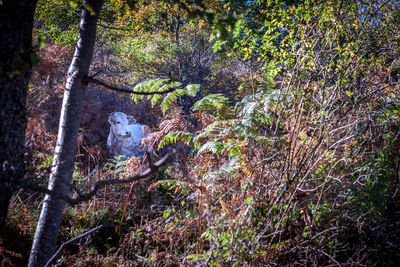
285,121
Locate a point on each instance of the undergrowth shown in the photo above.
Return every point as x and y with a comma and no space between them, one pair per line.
300,166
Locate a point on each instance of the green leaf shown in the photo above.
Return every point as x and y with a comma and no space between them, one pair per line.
249,200
348,93
41,41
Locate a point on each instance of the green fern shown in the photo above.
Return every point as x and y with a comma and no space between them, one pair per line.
192,89
214,130
212,102
170,99
174,137
150,86
161,85
214,147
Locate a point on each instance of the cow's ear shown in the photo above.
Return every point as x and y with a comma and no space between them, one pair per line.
111,119
131,120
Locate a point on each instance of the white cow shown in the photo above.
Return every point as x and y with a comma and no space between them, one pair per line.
126,135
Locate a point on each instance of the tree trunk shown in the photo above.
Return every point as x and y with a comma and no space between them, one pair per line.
63,165
16,22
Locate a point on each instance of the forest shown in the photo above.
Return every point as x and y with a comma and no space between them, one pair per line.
274,133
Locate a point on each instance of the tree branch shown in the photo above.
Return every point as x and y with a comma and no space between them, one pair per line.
99,184
113,28
375,91
58,252
90,79
27,184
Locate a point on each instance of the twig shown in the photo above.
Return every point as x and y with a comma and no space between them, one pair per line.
141,258
126,205
329,256
87,176
90,79
58,252
97,73
99,184
113,28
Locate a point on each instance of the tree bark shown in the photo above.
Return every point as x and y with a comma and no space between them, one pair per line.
16,22
46,234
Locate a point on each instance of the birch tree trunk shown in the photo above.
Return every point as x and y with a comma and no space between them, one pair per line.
46,234
16,22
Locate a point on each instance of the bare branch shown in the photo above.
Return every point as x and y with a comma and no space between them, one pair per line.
97,73
58,252
90,79
113,28
99,184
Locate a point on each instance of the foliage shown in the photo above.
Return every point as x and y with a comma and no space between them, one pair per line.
302,137
58,21
161,85
292,161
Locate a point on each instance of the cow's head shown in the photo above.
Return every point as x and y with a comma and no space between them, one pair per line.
120,124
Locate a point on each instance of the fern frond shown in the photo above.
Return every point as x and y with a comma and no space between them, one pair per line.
229,168
155,98
174,137
172,184
214,128
249,108
161,85
232,148
170,99
214,147
211,102
192,89
153,85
